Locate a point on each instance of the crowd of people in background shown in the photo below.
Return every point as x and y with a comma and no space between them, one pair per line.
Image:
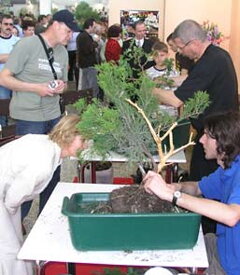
108,43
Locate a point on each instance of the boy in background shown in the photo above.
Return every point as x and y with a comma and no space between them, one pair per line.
160,54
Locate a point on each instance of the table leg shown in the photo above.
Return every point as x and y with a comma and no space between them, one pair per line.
168,175
81,170
37,268
71,268
93,172
171,173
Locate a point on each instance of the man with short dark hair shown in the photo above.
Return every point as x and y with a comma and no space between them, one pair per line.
41,24
140,41
86,58
35,103
221,143
183,63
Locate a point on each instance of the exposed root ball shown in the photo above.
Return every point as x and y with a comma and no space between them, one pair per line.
134,199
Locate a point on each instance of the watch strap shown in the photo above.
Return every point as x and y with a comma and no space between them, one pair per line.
176,196
174,200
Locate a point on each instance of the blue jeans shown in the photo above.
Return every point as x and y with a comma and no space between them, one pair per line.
4,94
24,127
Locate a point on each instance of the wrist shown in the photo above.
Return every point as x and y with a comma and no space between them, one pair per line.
176,196
178,187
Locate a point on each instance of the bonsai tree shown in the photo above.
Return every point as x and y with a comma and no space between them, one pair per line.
131,123
138,129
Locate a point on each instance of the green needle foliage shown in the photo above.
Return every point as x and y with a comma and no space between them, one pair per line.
165,80
169,63
118,126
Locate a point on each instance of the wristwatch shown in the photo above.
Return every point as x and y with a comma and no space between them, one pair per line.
176,196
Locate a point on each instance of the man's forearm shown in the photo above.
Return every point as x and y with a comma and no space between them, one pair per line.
14,84
3,58
228,214
188,187
167,97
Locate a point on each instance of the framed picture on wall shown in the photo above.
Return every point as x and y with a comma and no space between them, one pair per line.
150,18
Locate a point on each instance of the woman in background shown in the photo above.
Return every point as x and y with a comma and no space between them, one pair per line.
113,49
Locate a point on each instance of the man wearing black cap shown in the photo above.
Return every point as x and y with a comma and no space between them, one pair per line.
28,72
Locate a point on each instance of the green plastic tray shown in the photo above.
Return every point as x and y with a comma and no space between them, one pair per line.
127,231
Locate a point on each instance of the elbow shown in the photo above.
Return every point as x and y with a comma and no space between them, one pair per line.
177,104
232,220
231,223
1,79
175,101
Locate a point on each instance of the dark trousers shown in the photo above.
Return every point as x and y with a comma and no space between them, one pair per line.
199,168
24,127
73,71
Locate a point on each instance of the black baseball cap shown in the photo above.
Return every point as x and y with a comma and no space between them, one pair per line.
66,17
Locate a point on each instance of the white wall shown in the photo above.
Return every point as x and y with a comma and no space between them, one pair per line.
45,7
218,12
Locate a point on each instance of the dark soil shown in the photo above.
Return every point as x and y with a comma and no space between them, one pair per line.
133,199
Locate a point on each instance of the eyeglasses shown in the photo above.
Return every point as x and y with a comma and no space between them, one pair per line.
7,24
183,47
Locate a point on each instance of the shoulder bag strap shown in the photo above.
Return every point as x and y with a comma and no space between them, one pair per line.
48,57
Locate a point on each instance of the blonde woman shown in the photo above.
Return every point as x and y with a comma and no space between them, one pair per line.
27,165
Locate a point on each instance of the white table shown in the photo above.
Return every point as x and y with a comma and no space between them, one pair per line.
115,157
50,240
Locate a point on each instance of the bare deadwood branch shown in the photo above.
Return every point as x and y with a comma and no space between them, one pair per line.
156,138
169,130
163,156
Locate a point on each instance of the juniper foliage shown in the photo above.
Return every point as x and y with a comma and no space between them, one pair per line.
118,126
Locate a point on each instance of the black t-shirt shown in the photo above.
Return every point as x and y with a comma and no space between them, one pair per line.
214,73
183,62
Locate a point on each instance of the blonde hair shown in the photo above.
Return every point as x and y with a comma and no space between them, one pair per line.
65,130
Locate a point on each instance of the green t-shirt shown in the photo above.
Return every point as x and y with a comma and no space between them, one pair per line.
28,62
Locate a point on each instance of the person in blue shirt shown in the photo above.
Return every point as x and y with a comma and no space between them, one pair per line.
216,196
7,42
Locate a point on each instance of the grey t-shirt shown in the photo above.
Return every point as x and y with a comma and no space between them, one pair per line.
28,62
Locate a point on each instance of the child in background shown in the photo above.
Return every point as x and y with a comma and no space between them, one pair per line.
160,54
